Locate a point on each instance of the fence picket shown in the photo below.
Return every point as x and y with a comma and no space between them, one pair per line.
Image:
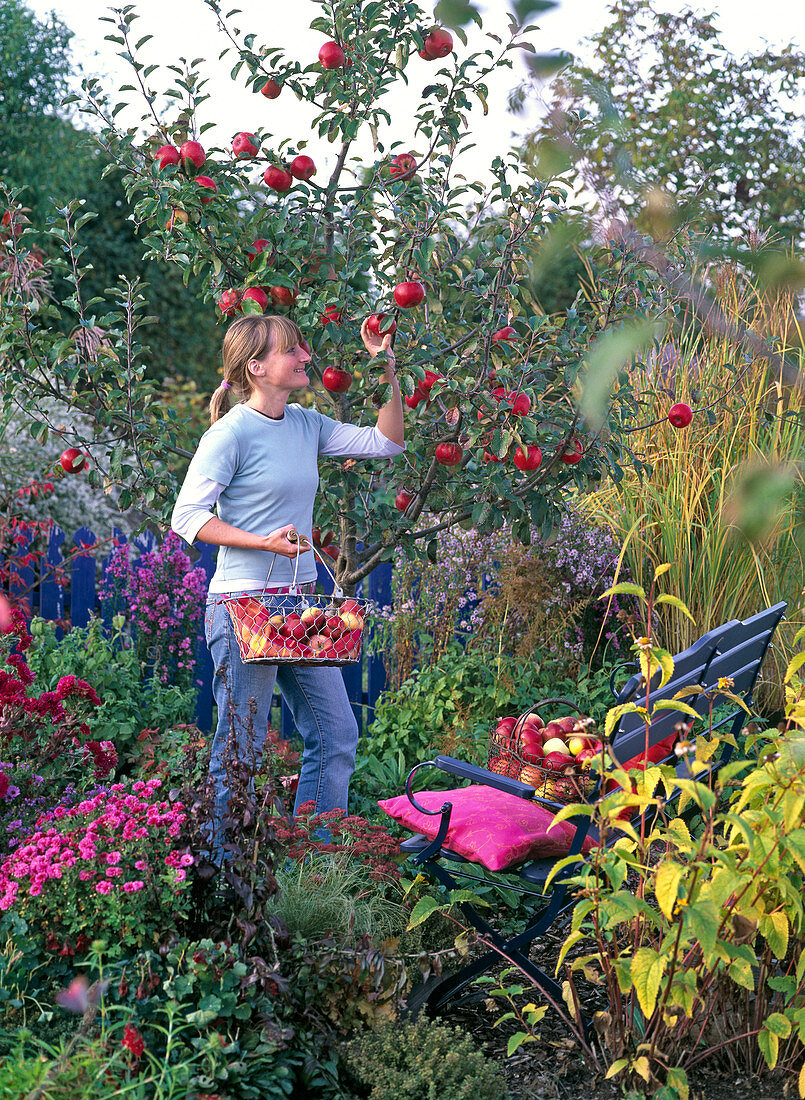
82,581
51,593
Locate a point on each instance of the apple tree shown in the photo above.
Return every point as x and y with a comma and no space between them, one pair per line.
495,430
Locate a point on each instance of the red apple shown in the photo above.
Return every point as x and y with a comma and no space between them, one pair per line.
331,56
191,155
507,335
302,167
531,721
243,145
331,315
572,453
520,403
680,415
553,729
557,761
568,723
167,155
381,324
449,454
427,384
351,607
408,294
277,621
579,743
505,726
336,380
271,89
334,627
73,461
533,775
313,618
257,294
277,178
504,764
209,185
439,43
528,459
402,500
403,166
351,621
489,457
229,303
318,643
352,642
415,398
256,248
282,295
585,756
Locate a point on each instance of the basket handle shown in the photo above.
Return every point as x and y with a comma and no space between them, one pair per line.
293,536
543,703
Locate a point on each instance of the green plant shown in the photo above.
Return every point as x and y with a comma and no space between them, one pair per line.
421,1060
110,664
449,706
322,895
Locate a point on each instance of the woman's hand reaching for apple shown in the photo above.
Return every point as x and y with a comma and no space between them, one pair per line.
375,344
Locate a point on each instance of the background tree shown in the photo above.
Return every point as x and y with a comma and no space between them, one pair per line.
666,126
44,152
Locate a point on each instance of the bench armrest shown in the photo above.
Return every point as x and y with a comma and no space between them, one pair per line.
463,770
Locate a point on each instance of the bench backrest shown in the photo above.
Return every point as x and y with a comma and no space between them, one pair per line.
734,650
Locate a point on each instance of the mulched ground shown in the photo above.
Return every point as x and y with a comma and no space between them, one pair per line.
555,1068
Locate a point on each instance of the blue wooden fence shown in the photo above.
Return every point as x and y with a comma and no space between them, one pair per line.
76,600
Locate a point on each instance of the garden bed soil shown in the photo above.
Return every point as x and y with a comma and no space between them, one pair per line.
555,1068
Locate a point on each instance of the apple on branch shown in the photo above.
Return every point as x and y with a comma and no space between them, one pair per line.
243,145
271,89
192,156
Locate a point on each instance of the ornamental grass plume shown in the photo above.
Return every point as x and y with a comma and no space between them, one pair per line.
113,861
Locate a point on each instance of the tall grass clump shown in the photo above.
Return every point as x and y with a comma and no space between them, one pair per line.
724,499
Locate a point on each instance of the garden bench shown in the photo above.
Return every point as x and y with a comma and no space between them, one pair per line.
735,650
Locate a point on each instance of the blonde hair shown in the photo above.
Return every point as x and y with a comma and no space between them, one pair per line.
249,338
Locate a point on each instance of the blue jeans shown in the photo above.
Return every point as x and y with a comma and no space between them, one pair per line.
318,702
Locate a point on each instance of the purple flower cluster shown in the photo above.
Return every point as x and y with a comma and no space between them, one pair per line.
578,562
162,596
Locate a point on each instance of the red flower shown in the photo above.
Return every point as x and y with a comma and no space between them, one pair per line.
132,1040
4,784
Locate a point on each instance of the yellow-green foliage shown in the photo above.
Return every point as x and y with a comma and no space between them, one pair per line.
692,923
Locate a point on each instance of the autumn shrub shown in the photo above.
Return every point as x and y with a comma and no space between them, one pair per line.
421,1060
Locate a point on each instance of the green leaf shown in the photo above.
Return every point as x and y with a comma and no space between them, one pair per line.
769,1047
608,356
424,908
648,967
624,588
517,1040
677,1079
674,601
778,1024
666,886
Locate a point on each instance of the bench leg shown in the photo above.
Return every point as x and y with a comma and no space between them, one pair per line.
435,994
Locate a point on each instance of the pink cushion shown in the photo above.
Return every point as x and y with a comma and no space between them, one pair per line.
487,825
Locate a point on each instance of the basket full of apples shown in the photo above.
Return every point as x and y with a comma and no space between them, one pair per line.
554,757
296,627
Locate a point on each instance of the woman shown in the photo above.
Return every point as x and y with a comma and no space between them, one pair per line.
258,464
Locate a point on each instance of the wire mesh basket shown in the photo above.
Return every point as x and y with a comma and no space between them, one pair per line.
561,781
296,627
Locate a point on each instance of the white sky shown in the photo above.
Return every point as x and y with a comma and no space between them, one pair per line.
186,28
